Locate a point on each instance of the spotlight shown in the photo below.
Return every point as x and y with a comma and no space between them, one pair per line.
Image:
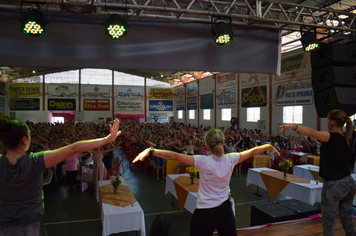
115,27
33,23
309,41
222,33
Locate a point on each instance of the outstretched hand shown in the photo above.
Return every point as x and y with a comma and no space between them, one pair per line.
114,133
142,155
271,148
285,127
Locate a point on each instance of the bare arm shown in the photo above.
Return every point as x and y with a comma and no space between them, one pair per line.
53,157
323,136
255,151
168,155
151,144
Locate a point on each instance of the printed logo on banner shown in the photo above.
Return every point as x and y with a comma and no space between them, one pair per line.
162,93
180,104
192,88
297,94
55,90
24,90
251,97
160,105
192,103
227,81
61,104
129,92
96,91
129,105
159,116
227,98
96,105
25,104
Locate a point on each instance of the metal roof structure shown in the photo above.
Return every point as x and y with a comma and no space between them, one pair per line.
334,20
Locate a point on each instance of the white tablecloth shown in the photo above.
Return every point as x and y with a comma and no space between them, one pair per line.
303,171
117,219
191,201
309,193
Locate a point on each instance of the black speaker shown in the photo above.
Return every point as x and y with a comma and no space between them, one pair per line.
302,209
330,54
264,213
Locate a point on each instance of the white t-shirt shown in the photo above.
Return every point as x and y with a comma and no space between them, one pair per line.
215,173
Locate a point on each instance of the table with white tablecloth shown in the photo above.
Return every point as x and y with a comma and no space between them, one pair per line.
116,219
191,200
305,192
306,171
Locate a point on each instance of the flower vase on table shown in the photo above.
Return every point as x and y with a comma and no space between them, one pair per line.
116,181
285,165
192,173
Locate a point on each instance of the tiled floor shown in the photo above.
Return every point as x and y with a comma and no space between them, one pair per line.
78,213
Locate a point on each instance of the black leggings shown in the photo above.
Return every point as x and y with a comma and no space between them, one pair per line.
204,221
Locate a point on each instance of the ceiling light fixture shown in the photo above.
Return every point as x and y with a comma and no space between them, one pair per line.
222,32
116,27
33,23
309,40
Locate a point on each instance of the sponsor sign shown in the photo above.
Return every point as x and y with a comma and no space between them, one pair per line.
192,89
253,98
160,105
2,103
130,93
227,81
180,104
291,63
96,91
207,101
125,105
2,89
96,105
227,98
24,104
253,79
24,90
299,93
160,93
61,90
192,103
61,104
159,116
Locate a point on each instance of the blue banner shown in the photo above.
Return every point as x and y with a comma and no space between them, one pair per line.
160,105
207,101
192,103
228,98
180,104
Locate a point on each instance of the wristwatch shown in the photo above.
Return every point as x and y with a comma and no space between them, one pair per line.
151,151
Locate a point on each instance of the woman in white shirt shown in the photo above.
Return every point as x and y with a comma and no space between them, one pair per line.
213,205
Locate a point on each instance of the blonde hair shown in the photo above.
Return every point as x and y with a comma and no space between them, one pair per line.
215,139
340,118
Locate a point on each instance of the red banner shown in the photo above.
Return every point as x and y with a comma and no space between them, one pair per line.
96,105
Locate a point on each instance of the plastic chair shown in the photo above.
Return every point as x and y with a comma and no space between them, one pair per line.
161,225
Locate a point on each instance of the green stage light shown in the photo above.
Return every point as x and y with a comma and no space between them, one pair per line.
33,23
222,33
116,27
309,41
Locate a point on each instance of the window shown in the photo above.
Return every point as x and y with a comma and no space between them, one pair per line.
293,114
226,114
206,114
191,114
180,114
253,114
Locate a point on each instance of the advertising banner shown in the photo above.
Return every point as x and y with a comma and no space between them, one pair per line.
192,103
96,91
125,105
207,101
160,105
161,117
160,93
227,99
61,90
180,104
298,93
96,105
129,92
227,81
24,90
254,97
24,104
61,104
2,88
253,79
2,103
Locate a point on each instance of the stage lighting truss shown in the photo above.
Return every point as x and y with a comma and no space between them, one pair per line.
33,23
222,33
309,40
116,27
